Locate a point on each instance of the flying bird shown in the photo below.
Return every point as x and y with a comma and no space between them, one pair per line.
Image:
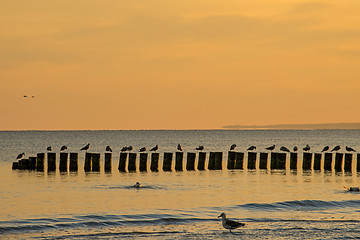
155,148
336,148
49,148
179,147
285,149
230,224
251,148
20,155
295,148
143,149
307,148
325,149
271,147
108,148
232,147
63,148
200,148
85,147
349,149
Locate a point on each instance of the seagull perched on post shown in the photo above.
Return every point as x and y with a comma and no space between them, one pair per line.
285,149
251,148
295,148
271,148
108,148
232,147
307,148
63,148
143,149
179,147
49,148
20,155
325,149
124,149
85,147
337,148
230,224
349,149
200,148
155,148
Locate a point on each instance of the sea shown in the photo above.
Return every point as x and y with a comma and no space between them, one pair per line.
273,204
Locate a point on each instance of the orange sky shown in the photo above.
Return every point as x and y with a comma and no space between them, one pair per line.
152,64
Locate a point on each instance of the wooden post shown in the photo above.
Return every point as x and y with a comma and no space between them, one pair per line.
263,160
358,162
15,165
87,163
143,162
73,162
190,161
32,163
122,161
218,160
108,162
317,161
167,161
338,162
132,162
273,160
307,158
239,160
293,160
24,164
201,163
51,161
63,166
179,161
231,160
40,162
328,161
211,165
251,160
154,162
95,162
348,162
281,161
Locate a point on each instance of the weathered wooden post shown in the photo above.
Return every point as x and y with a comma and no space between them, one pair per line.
24,164
73,167
122,161
167,161
95,162
317,161
218,160
179,161
132,162
190,161
87,163
201,163
239,160
263,160
338,162
143,162
293,160
251,160
32,163
348,162
273,160
211,165
328,161
154,162
307,158
231,160
63,166
51,161
108,162
281,161
358,162
40,162
15,165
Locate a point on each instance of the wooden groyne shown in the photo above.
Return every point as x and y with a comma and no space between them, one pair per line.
132,162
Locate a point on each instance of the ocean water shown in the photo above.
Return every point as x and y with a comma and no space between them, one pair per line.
277,204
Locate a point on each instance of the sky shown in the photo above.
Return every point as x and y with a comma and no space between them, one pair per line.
180,64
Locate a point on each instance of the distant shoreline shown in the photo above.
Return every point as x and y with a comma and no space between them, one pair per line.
298,126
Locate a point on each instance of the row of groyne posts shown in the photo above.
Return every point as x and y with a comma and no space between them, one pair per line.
127,161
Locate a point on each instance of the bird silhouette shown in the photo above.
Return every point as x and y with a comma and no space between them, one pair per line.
336,148
295,148
49,148
20,155
285,149
251,148
229,224
179,147
200,148
270,148
63,148
349,149
325,149
143,149
108,148
155,148
232,147
307,148
85,147
130,148
124,149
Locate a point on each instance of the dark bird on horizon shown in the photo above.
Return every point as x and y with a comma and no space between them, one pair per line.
179,147
295,148
49,148
232,147
130,148
143,149
25,96
270,148
200,148
349,149
285,149
108,148
63,148
325,149
85,147
155,148
20,155
336,148
229,224
251,148
307,148
124,149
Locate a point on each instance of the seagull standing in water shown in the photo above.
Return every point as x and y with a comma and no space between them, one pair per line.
108,148
137,185
85,147
179,147
230,224
232,147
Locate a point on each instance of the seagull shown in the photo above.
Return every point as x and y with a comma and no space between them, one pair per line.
63,148
129,148
271,148
143,149
232,147
295,148
349,149
251,148
137,185
155,148
351,189
49,148
179,147
230,224
325,149
20,155
86,147
285,149
307,148
124,149
200,148
337,148
108,148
